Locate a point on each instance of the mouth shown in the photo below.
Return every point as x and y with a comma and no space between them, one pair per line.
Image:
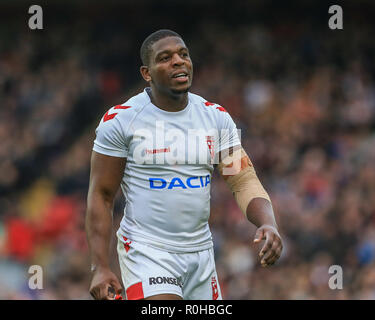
181,77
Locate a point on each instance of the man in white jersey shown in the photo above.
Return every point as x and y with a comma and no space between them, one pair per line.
161,146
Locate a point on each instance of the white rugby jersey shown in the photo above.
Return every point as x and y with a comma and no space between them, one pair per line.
167,178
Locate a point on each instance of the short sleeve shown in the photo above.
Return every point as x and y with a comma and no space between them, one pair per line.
110,139
228,132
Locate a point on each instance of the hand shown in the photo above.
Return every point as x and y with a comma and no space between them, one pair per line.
273,246
101,283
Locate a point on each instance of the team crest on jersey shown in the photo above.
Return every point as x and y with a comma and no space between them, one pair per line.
210,144
215,290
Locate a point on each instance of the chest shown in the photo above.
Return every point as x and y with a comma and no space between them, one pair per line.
190,139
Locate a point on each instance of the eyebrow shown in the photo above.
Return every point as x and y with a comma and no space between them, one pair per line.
167,51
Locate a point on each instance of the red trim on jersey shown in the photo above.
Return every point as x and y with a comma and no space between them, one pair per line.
108,116
212,104
127,244
215,291
122,107
135,292
221,109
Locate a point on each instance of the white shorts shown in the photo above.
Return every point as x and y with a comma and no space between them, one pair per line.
147,271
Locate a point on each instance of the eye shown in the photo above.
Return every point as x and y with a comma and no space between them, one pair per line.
164,58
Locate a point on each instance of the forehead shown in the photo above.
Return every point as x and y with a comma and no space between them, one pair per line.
168,43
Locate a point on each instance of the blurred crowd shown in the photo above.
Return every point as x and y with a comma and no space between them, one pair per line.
304,100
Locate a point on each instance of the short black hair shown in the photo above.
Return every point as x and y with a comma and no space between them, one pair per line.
151,39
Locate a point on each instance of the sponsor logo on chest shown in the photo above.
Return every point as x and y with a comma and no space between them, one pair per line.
193,182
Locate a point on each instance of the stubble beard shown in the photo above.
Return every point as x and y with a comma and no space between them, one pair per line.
178,92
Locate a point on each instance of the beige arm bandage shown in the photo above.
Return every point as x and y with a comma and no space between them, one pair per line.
239,174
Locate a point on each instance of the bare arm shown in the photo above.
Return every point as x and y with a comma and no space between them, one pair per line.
260,213
105,178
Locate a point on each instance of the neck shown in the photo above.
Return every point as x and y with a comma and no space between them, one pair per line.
168,102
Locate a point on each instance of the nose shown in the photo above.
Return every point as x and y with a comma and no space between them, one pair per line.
177,60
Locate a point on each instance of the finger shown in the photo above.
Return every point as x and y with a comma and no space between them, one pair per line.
267,245
273,254
276,256
272,259
259,235
104,292
116,286
268,255
93,293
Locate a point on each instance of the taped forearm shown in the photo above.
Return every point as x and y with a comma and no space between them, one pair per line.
239,174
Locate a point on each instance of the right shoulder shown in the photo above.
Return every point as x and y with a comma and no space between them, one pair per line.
124,113
112,132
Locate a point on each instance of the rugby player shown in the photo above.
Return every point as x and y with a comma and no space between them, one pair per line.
165,246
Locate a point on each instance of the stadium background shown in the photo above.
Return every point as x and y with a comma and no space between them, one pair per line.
302,94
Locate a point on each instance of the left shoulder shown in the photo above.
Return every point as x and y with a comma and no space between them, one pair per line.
208,105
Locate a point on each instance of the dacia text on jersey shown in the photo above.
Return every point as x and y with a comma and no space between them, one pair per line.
191,182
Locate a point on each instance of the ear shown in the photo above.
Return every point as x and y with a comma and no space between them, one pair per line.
145,73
